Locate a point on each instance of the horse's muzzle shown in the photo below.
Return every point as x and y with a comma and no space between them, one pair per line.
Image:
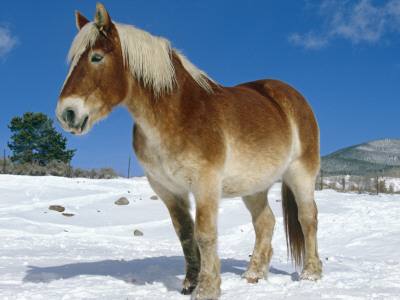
72,116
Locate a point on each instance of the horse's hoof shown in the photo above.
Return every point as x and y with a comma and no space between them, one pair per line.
188,290
255,276
188,286
309,275
207,292
312,271
252,280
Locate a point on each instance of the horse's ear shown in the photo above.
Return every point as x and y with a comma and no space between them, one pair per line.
80,20
102,19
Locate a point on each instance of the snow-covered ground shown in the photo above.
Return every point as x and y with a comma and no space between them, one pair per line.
95,255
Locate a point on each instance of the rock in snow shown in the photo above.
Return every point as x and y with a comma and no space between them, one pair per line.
94,256
137,233
68,214
122,201
58,208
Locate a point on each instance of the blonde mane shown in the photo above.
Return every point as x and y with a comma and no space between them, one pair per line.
86,38
148,57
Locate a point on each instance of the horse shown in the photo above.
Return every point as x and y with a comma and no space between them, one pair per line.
194,136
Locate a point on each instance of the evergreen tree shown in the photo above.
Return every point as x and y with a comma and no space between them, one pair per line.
35,139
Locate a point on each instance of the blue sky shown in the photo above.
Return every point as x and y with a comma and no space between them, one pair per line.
343,56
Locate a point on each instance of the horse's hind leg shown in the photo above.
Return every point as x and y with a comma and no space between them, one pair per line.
299,185
263,222
179,210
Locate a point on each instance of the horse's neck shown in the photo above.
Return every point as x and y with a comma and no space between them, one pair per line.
157,116
153,114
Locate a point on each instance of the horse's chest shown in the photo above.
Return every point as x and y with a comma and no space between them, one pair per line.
162,164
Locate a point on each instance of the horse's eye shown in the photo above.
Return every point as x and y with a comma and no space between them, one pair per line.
96,57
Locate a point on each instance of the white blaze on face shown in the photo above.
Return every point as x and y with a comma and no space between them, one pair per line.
72,115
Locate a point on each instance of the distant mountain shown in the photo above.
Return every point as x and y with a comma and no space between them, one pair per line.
370,157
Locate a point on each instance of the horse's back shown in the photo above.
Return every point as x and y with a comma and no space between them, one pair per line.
287,97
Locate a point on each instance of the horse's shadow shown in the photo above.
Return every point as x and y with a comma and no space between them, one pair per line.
167,270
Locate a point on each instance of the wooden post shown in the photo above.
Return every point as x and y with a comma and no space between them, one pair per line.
322,182
129,165
4,162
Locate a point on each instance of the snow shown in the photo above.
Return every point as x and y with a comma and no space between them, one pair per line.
393,183
95,255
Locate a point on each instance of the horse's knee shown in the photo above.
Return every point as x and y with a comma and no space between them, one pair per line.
205,227
265,222
308,215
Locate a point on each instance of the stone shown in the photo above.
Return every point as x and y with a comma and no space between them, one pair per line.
154,197
68,215
122,201
58,208
137,233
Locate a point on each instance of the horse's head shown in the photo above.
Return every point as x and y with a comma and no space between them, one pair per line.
97,80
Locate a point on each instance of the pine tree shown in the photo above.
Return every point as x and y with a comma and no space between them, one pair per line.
35,139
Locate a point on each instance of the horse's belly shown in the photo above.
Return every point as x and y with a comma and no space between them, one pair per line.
246,184
246,175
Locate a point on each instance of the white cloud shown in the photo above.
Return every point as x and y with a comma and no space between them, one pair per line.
309,40
358,22
7,41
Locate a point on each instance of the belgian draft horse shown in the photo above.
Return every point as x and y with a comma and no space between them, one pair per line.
192,135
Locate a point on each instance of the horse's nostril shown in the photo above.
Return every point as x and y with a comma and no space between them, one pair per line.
84,123
70,116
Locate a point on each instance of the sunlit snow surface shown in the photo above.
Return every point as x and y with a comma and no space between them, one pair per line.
95,255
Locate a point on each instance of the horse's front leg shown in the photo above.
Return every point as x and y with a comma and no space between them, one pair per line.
207,195
179,210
